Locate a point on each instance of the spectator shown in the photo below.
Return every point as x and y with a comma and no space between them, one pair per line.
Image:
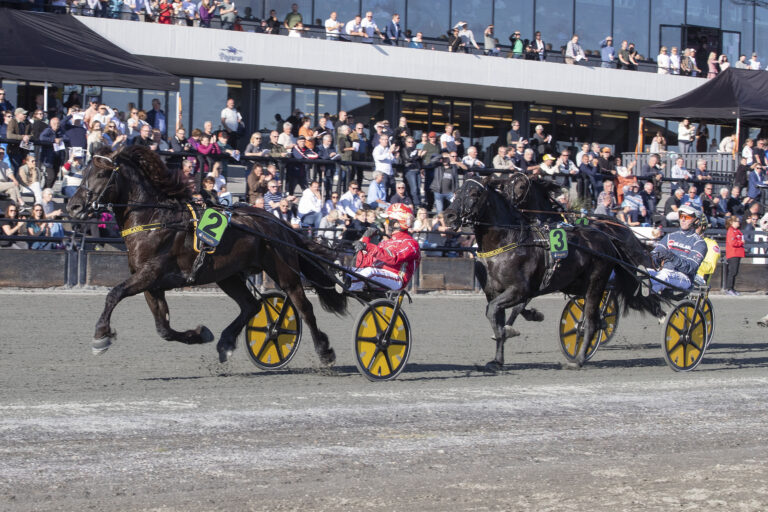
411,158
658,144
144,138
293,18
276,149
400,196
634,56
5,105
663,62
160,144
273,24
285,213
723,63
680,172
306,131
50,157
417,41
384,157
370,28
727,145
8,183
331,226
528,164
37,124
754,63
445,182
19,129
354,28
734,252
741,63
51,212
345,147
350,201
702,174
297,30
514,135
735,205
377,192
206,149
179,142
539,47
272,196
392,32
713,65
501,160
232,122
574,53
607,53
673,205
29,177
467,37
216,174
327,172
685,135
543,141
471,162
114,139
549,166
296,173
73,176
692,198
607,191
624,175
605,206
454,41
588,185
517,45
709,203
633,209
755,181
332,204
625,59
311,206
333,27
286,139
490,43
701,138
37,226
649,201
13,228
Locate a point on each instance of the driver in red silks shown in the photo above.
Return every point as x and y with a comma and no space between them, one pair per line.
392,262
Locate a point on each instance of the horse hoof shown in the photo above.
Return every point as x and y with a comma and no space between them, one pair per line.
573,365
328,358
509,332
494,366
101,345
206,336
225,354
763,322
533,315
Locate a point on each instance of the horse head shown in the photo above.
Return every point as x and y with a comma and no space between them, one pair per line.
99,185
469,203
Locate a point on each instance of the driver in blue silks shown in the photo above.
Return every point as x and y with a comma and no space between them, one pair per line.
679,254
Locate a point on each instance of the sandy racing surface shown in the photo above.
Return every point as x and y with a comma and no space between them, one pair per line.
154,425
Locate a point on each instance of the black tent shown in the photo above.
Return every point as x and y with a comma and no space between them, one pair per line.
735,94
58,48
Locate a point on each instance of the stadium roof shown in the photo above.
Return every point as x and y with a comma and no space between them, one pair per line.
58,48
733,94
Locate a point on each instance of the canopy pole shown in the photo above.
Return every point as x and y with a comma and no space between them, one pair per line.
45,100
639,145
738,136
178,110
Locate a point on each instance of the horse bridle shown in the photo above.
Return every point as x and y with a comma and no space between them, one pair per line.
463,215
96,204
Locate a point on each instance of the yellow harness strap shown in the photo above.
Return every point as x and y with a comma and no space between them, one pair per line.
498,251
195,244
144,227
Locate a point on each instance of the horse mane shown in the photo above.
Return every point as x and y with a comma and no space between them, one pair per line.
168,182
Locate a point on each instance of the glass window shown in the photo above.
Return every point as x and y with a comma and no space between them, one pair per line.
304,100
383,10
365,107
441,114
761,34
593,22
274,106
739,18
345,10
253,8
704,12
611,129
665,12
554,19
283,7
210,97
477,13
180,102
511,15
327,102
416,111
461,120
630,22
491,120
432,18
120,98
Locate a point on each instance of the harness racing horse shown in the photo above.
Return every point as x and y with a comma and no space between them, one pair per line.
512,263
156,202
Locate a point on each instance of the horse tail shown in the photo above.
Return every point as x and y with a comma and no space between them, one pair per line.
320,275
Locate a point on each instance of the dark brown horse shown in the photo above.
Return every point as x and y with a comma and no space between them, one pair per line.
515,268
145,193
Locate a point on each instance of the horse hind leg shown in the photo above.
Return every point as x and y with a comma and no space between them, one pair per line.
159,307
235,288
306,312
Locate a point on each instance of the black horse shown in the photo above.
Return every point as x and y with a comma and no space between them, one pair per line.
515,268
156,201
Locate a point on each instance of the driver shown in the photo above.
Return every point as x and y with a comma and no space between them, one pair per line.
392,262
679,254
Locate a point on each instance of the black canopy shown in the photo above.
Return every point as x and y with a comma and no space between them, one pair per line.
58,48
733,94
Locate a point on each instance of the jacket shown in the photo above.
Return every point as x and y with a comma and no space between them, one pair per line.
451,172
400,255
682,251
734,243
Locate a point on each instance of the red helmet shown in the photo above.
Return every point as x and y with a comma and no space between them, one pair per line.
402,213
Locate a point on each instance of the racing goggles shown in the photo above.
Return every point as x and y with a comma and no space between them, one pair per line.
687,216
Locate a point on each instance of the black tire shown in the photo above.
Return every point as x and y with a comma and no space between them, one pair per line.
709,317
273,334
684,339
377,359
570,326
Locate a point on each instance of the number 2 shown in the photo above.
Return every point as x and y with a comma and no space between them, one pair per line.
208,229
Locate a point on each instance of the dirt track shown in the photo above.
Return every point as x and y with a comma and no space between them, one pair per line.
153,425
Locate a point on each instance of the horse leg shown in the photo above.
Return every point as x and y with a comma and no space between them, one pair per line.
495,314
235,287
530,314
159,307
591,321
104,334
304,308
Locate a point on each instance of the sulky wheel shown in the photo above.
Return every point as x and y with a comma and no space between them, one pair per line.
709,319
382,343
273,334
571,325
685,337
